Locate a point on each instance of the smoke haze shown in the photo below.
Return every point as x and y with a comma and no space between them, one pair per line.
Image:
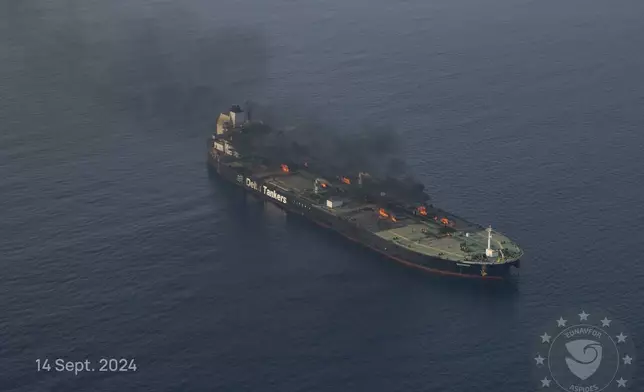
376,149
160,78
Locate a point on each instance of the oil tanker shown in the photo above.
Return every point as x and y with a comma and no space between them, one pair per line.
388,215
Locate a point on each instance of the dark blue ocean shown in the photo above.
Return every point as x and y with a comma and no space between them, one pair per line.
115,243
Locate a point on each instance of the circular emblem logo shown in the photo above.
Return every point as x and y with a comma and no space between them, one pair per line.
587,352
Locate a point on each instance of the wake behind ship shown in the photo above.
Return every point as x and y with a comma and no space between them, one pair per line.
388,215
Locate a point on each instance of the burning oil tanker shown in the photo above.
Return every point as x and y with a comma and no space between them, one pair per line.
389,215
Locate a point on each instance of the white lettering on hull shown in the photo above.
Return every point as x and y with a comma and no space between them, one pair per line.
274,195
251,184
268,192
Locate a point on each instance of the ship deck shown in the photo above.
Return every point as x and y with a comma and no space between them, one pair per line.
448,247
425,236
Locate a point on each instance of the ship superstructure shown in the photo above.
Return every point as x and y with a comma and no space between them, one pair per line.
390,216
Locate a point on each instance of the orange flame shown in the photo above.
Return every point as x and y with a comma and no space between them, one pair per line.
393,218
422,210
346,180
323,184
285,168
383,213
445,221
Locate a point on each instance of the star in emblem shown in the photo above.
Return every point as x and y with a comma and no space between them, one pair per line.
627,360
561,322
605,322
621,338
545,382
545,338
539,359
583,316
621,382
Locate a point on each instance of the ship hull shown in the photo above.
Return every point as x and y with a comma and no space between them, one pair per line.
366,238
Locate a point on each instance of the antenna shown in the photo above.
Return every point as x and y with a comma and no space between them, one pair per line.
249,110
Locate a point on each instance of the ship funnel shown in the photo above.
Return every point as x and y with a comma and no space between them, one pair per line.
237,116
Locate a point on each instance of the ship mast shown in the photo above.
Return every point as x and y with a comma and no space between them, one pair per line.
489,252
249,111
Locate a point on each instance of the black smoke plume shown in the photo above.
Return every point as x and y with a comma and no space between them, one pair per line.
162,66
171,71
376,149
334,150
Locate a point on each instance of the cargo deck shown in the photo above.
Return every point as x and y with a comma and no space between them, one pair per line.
389,215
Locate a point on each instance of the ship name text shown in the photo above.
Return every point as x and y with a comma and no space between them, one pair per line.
273,194
266,191
251,184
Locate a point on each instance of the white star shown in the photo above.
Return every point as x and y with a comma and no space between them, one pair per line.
545,382
627,360
583,316
561,322
606,322
621,383
545,338
539,359
621,338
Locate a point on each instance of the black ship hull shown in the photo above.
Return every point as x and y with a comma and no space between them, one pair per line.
290,203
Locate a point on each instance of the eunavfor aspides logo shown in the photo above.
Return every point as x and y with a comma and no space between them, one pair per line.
584,352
